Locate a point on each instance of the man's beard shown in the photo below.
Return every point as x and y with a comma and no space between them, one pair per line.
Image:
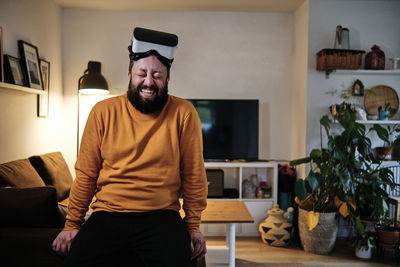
147,106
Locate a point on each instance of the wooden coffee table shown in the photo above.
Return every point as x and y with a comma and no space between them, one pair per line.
229,213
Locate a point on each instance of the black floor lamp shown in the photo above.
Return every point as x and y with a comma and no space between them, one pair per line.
91,83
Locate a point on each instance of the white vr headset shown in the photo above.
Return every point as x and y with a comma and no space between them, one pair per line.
146,42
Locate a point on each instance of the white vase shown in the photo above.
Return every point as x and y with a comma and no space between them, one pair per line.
364,253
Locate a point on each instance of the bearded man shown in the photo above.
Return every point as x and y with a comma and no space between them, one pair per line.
140,152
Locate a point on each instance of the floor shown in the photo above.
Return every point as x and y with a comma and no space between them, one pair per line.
250,251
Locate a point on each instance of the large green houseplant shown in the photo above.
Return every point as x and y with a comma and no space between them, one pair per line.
344,175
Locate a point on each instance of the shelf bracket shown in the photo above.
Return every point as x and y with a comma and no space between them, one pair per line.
327,72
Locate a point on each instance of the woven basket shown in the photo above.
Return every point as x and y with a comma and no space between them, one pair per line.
322,238
330,59
378,96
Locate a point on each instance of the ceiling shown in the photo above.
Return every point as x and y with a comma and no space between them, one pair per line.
191,5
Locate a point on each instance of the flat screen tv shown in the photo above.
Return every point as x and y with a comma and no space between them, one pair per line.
230,128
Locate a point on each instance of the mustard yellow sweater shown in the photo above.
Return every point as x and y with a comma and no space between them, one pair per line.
134,162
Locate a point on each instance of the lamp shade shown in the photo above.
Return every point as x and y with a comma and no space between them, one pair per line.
92,82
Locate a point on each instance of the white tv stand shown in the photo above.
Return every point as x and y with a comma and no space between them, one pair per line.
234,175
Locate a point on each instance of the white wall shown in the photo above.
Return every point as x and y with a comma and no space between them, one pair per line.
220,55
369,22
22,133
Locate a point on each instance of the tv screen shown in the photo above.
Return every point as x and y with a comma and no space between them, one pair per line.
230,128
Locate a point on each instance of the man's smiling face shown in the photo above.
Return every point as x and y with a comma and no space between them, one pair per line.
148,84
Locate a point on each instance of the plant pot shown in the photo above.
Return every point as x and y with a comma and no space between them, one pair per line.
364,252
383,153
388,238
322,238
383,115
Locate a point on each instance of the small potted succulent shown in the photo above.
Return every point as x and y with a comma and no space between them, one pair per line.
363,244
385,112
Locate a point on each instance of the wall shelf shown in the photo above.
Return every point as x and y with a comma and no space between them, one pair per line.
361,72
381,122
368,72
27,90
388,122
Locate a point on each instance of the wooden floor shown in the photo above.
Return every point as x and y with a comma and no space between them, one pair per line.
250,251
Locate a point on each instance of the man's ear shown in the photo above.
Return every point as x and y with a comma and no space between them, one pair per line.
129,75
168,80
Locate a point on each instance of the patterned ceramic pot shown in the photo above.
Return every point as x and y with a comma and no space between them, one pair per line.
275,230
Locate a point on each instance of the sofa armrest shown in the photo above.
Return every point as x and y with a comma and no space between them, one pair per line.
30,207
23,246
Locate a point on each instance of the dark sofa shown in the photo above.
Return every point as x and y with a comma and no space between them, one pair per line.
30,192
33,193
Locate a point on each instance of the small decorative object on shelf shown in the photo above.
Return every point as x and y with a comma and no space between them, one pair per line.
361,113
250,187
331,59
337,108
378,98
358,88
12,71
342,39
43,100
266,190
385,111
395,63
275,230
30,64
375,59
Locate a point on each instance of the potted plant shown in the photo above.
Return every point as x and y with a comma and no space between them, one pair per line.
363,244
336,173
386,135
385,111
388,233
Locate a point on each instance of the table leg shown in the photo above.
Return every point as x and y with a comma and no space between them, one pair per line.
230,242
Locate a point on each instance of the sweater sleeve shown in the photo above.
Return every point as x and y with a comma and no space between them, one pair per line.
194,182
87,169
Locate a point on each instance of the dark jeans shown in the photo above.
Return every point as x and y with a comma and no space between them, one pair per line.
140,239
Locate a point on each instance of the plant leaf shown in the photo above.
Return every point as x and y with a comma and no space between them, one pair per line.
343,210
325,122
382,133
300,189
396,149
359,226
316,154
312,219
312,181
299,161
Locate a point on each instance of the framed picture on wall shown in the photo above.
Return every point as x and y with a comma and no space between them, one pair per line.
30,64
43,100
1,56
13,71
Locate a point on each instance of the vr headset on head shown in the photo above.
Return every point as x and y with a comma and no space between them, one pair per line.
147,42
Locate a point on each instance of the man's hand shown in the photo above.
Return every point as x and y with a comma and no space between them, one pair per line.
198,245
62,243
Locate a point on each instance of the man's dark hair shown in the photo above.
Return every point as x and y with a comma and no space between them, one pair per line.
136,56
